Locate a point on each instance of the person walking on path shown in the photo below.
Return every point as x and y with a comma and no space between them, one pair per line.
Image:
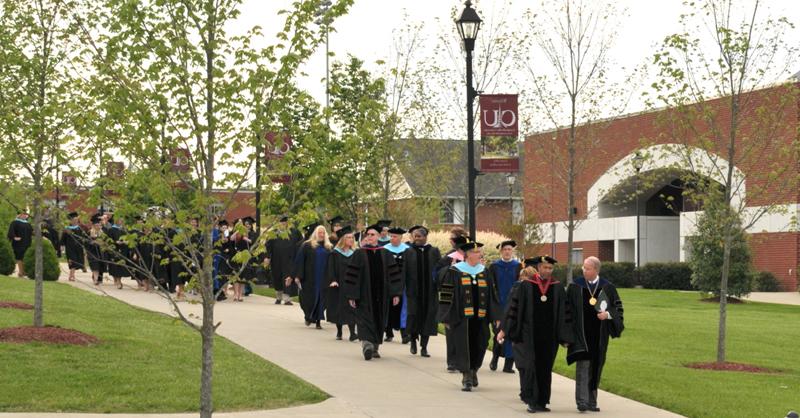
337,310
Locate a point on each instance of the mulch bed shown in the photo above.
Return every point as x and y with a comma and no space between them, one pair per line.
715,299
47,334
14,305
731,367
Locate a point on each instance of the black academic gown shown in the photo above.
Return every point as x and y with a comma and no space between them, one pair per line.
420,281
24,231
372,280
49,232
337,309
311,296
396,311
590,334
281,252
468,317
536,328
119,252
95,253
73,239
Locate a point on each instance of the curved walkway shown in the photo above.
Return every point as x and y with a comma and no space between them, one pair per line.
396,385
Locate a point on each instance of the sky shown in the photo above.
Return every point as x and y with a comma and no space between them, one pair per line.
367,30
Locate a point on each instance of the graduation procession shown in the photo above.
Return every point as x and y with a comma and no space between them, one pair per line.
383,284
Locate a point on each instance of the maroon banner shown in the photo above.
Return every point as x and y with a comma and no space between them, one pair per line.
115,169
277,145
281,178
499,115
499,165
179,158
69,179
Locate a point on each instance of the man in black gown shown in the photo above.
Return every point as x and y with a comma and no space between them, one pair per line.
420,264
73,239
281,251
372,283
20,233
596,313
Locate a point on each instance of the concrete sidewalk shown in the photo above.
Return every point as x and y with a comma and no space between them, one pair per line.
396,385
783,298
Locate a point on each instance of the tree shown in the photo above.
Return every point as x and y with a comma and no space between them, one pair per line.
168,76
723,121
37,111
568,67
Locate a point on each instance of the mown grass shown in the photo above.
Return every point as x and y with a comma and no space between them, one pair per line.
664,330
145,362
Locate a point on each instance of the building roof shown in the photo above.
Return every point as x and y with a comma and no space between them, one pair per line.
438,168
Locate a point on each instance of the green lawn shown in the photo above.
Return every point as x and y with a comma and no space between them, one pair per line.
145,363
267,291
665,330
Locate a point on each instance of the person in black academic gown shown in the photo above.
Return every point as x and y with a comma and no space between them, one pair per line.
397,314
20,233
243,239
420,261
314,256
73,239
535,323
94,249
336,226
337,310
505,272
49,231
596,313
226,249
467,304
281,251
458,236
118,251
372,283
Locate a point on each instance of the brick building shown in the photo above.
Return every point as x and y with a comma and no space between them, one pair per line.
607,224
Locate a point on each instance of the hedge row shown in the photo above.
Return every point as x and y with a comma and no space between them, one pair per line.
670,275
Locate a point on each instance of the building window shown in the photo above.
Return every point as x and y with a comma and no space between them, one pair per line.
576,258
452,212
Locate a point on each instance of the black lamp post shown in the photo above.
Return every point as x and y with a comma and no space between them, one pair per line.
468,25
324,22
510,180
638,162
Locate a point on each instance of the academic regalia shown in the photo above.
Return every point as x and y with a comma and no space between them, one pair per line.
535,327
372,280
73,239
22,229
505,274
120,252
247,272
49,232
441,269
337,309
591,334
397,314
467,304
150,254
312,279
94,251
419,269
281,252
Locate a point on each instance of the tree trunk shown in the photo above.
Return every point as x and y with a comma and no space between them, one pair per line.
571,191
207,334
723,295
38,304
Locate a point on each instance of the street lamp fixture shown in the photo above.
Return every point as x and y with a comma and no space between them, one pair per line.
468,26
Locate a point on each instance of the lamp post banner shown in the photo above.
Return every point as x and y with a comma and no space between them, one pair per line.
499,115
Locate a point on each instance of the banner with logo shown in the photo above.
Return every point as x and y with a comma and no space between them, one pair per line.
277,146
179,159
499,115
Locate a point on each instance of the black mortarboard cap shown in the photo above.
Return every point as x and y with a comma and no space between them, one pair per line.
344,231
535,261
335,220
460,240
222,222
397,230
248,219
504,243
384,223
470,245
376,227
310,227
96,218
72,215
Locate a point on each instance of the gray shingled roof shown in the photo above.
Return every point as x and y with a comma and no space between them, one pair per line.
451,157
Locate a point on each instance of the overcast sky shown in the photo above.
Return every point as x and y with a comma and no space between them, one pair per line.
366,31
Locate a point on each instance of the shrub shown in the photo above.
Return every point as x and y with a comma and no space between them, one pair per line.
621,274
706,253
764,281
7,262
560,272
675,276
49,261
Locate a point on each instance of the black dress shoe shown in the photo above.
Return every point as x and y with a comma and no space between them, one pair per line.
508,366
405,339
413,348
582,408
353,337
338,338
594,409
389,339
308,323
532,409
542,408
376,354
475,378
368,354
277,301
451,368
288,303
424,352
493,363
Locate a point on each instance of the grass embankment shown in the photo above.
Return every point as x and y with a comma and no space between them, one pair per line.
145,362
664,330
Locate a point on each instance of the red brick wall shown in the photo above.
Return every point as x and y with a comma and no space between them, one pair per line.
778,253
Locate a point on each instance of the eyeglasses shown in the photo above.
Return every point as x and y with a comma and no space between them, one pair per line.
371,234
